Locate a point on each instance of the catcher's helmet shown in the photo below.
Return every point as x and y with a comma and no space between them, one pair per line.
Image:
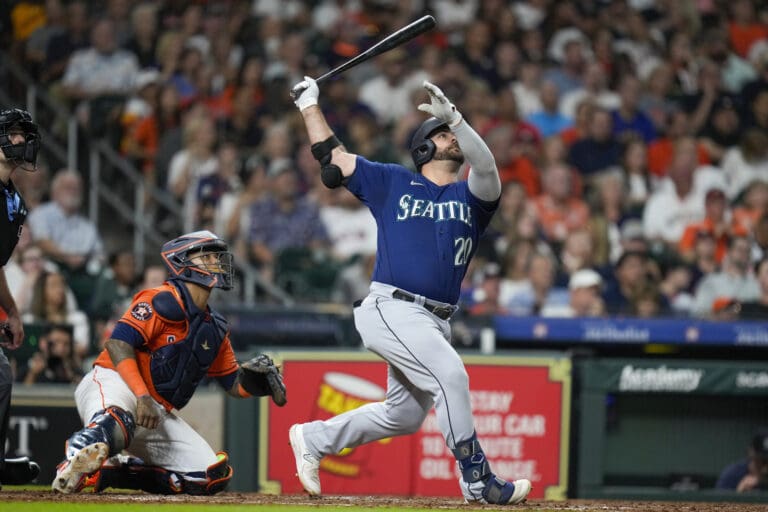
422,147
178,253
27,150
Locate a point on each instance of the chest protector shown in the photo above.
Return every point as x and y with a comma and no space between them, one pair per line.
177,368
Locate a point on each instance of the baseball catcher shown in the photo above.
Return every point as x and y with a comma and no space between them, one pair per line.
167,341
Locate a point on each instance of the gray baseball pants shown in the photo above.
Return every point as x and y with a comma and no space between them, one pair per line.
424,370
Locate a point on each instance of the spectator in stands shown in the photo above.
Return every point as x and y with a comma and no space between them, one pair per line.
388,93
678,202
283,220
195,161
656,99
142,102
609,209
600,149
582,120
152,277
661,150
526,88
760,238
67,237
350,226
61,46
49,304
735,71
676,286
513,165
751,204
485,296
630,275
747,162
594,90
37,42
537,292
584,288
525,141
504,224
568,48
33,186
757,309
55,362
751,473
734,279
744,26
628,120
143,40
98,78
717,221
31,263
557,211
576,253
549,121
115,285
714,115
143,140
212,188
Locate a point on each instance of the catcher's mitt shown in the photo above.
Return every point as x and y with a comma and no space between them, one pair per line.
262,378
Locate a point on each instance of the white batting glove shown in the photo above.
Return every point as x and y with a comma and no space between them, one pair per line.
308,93
440,107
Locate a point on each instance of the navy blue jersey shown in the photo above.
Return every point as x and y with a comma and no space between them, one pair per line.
427,233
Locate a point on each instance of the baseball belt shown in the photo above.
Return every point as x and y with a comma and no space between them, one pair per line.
440,311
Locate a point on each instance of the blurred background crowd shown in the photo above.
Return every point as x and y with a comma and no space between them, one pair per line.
631,137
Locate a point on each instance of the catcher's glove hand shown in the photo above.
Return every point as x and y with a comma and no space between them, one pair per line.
262,378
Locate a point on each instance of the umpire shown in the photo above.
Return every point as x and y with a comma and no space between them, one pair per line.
19,142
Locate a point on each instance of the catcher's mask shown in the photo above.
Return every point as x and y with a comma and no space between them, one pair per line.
17,120
422,147
179,253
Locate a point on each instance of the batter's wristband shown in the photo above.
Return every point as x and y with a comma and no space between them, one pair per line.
129,371
322,150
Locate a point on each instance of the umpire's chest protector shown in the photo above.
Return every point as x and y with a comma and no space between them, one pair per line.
177,368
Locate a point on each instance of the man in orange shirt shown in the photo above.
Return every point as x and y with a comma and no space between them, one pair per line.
716,223
168,340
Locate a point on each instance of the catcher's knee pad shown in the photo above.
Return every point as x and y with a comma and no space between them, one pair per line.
112,426
217,477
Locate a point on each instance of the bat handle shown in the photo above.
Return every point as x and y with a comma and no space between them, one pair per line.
296,91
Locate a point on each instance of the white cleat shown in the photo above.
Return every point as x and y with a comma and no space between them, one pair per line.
307,465
522,488
71,474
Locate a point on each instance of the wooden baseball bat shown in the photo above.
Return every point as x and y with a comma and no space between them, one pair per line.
393,40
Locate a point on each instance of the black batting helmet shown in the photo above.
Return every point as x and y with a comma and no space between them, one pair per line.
422,147
27,150
178,254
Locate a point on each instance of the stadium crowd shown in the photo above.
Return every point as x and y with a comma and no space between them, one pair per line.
631,138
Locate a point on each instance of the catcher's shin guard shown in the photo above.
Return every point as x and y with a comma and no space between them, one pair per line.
112,426
107,434
134,474
479,484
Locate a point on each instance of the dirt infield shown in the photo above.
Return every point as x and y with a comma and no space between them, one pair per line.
359,502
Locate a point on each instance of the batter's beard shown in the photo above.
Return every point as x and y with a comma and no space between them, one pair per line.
452,153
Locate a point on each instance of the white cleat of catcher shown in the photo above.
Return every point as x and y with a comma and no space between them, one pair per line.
307,465
71,474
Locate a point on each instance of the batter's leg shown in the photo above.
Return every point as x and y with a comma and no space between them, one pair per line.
402,412
417,343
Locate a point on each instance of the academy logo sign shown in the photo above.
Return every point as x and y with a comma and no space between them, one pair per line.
752,380
659,379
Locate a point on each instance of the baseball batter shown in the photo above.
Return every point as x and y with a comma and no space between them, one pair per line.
428,228
162,347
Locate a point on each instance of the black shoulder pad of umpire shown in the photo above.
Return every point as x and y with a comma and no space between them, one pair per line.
168,307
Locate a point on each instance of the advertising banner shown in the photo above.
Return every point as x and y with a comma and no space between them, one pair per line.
520,406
